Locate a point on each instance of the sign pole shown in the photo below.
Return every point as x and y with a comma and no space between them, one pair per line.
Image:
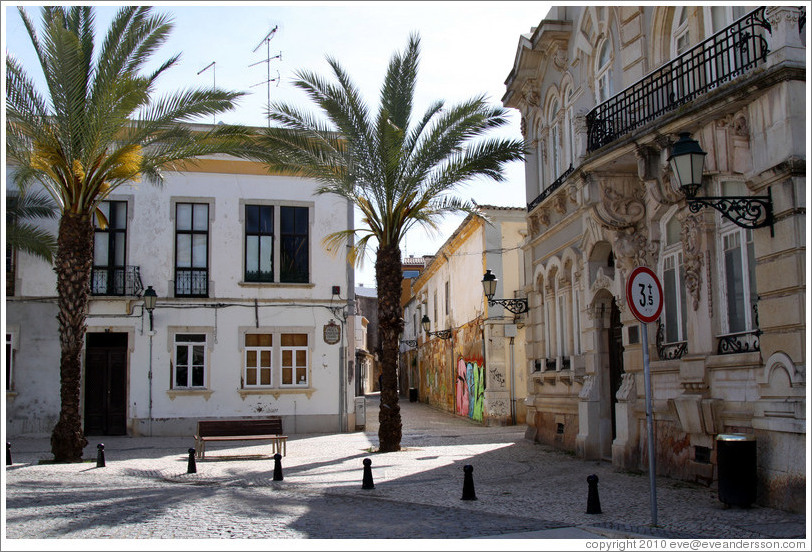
644,295
652,471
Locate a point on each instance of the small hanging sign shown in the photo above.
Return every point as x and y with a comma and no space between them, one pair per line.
332,333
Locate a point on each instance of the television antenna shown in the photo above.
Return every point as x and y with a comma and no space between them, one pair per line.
213,67
267,62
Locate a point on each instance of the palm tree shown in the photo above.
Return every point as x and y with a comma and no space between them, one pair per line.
397,171
94,128
22,234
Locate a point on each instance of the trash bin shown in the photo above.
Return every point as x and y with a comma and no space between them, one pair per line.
412,394
736,464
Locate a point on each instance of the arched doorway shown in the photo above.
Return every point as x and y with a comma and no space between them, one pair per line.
615,361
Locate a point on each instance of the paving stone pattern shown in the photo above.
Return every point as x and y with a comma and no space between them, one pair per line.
522,489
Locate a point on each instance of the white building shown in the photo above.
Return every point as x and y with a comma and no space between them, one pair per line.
250,315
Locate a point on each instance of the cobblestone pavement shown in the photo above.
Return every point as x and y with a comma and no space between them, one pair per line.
524,490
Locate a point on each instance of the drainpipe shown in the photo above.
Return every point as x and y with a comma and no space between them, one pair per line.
512,385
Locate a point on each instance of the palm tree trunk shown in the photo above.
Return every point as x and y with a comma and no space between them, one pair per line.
389,276
74,260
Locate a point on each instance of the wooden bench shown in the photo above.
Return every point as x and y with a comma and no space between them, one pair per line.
264,429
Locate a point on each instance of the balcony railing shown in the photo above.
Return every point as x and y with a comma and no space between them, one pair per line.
192,282
726,55
121,281
669,351
550,189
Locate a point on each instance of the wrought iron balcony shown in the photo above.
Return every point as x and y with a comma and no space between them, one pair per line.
743,342
669,351
721,58
193,282
118,281
550,189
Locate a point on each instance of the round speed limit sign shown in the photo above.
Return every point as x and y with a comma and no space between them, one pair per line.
644,294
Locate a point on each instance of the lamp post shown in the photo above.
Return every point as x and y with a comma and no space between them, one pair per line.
688,161
426,323
489,281
150,298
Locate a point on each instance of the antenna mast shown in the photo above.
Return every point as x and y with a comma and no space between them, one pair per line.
213,81
267,61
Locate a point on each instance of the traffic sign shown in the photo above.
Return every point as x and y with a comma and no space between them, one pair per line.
644,294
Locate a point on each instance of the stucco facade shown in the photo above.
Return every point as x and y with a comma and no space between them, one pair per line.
604,93
251,316
477,371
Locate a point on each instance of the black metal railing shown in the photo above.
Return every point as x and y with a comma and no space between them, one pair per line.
550,189
742,342
669,351
726,55
121,281
192,283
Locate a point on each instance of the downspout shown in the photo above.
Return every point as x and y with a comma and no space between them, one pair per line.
512,385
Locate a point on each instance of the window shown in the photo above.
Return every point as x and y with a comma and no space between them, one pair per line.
447,298
603,73
190,361
258,243
436,320
191,250
555,142
294,244
738,270
110,250
569,129
681,35
675,307
294,360
258,365
9,361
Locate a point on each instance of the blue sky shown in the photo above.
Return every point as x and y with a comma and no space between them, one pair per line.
467,49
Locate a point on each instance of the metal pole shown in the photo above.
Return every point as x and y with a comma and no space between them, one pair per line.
652,471
512,385
150,380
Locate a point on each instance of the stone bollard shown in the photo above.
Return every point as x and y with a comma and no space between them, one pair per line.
277,467
468,483
100,456
8,453
593,501
192,467
367,482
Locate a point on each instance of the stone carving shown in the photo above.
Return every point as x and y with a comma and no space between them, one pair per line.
560,204
708,279
628,389
560,57
589,390
692,263
632,249
618,210
601,281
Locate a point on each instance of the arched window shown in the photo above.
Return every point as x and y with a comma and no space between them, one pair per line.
569,130
555,141
673,274
603,72
681,35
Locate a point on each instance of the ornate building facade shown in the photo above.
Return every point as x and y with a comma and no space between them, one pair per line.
604,93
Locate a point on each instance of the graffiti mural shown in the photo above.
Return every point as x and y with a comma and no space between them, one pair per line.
470,388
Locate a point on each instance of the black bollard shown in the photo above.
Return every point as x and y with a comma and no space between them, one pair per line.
468,483
100,456
192,468
593,501
8,453
277,467
367,482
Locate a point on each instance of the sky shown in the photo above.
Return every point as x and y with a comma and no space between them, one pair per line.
467,49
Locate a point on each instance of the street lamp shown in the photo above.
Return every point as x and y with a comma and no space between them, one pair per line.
489,281
150,298
688,161
426,323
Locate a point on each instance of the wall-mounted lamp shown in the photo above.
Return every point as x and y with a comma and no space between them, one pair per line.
150,298
426,323
688,163
489,281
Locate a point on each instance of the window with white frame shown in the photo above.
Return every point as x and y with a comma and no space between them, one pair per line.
738,270
555,142
191,250
258,360
603,72
674,308
576,323
189,368
9,361
295,360
569,128
681,35
561,323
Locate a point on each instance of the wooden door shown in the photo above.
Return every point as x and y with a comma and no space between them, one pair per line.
106,384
